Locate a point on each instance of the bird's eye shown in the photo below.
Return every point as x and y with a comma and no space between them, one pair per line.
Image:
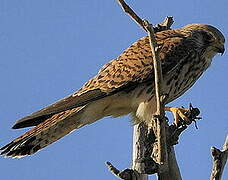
208,38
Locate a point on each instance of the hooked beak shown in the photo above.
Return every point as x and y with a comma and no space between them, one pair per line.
221,49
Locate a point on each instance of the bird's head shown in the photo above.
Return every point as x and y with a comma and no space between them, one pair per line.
209,38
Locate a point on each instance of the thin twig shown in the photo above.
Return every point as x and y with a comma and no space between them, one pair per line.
161,121
165,25
162,155
127,174
131,13
219,160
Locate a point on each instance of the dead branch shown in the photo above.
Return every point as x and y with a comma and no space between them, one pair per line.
127,174
143,142
160,118
219,160
165,25
140,161
160,114
131,13
150,142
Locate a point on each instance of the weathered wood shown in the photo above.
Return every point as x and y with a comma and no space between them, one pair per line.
162,158
139,162
160,120
143,140
173,172
126,174
149,143
131,13
219,160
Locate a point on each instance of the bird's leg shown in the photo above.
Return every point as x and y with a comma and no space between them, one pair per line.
184,116
178,113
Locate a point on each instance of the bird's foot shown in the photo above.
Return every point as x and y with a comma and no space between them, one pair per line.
184,115
178,114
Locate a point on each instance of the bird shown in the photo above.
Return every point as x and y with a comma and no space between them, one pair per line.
125,85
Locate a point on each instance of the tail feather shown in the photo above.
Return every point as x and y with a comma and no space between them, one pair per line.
44,134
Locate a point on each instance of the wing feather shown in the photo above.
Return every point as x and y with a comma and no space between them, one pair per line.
132,67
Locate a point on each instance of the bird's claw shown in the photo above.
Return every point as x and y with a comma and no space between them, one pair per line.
184,116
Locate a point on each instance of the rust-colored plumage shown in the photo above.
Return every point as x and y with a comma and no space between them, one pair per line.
124,85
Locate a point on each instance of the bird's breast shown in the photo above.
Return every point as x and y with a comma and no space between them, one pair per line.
175,83
183,77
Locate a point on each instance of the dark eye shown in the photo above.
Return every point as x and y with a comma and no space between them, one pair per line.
208,38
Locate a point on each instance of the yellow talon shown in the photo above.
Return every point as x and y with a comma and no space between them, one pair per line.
178,113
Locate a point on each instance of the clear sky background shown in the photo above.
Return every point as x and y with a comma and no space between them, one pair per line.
48,49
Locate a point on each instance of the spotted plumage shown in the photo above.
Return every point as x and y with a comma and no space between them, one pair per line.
124,85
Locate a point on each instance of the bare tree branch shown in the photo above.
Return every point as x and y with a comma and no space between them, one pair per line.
160,118
131,13
160,114
219,160
165,25
143,142
173,172
127,174
150,142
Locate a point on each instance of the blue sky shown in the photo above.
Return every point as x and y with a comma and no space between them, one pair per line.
49,49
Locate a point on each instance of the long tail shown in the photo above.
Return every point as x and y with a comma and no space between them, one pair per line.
44,134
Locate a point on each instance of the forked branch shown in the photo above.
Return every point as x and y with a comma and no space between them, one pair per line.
160,115
219,160
165,25
131,13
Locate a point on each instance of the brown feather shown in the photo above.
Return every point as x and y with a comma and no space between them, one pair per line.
124,85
